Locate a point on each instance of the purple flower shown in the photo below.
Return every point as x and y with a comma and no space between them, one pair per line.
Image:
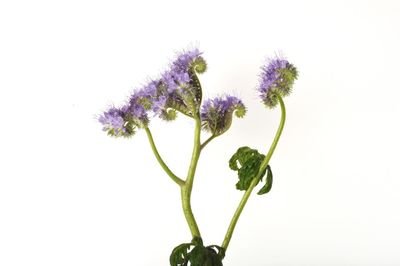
136,107
114,123
149,90
140,104
159,103
178,89
169,80
184,60
216,114
278,77
183,90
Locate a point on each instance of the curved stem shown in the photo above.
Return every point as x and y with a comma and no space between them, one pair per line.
176,179
186,189
207,141
196,83
255,181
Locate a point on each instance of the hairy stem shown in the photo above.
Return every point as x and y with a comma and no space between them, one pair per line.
176,179
186,189
255,181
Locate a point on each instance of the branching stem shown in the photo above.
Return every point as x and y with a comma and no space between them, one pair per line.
207,141
176,179
186,189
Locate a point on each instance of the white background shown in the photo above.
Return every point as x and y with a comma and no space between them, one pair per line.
70,195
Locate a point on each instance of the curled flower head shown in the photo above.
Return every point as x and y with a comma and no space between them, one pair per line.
216,114
178,89
190,59
116,124
182,84
277,77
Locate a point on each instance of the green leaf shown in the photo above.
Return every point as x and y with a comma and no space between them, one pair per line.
268,182
221,251
214,260
199,255
179,255
246,162
216,257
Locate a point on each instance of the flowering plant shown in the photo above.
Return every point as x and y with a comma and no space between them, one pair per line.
178,90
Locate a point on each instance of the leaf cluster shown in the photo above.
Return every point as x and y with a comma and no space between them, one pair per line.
196,254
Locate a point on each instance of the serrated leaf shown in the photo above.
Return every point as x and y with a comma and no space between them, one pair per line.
216,258
198,256
239,156
249,161
179,255
217,250
268,182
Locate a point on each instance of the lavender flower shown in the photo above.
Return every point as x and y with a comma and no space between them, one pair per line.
216,114
181,71
138,109
181,82
178,89
151,100
277,77
115,123
189,59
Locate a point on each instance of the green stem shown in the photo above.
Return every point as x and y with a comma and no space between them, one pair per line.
207,141
186,189
255,181
176,179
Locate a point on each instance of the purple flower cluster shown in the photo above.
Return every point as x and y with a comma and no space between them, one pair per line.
179,74
114,122
184,60
178,89
277,77
216,114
